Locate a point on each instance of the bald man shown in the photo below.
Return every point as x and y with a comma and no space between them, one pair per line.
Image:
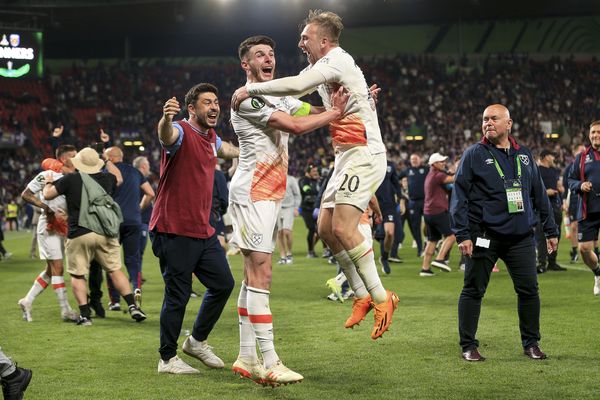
127,196
497,192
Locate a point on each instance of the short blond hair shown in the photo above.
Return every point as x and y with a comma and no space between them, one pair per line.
594,123
330,23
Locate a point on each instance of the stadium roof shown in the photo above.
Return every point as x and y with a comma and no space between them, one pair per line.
184,26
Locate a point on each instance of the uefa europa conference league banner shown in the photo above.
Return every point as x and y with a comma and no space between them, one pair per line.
21,54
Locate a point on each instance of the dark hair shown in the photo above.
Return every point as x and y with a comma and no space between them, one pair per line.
64,148
245,46
192,95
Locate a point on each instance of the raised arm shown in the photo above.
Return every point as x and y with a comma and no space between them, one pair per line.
290,86
166,133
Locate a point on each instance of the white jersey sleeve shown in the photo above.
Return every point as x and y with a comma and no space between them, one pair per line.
256,110
37,184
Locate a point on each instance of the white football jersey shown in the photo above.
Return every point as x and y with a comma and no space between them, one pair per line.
263,161
360,124
58,203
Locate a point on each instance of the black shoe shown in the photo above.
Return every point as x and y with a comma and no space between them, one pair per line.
385,266
441,264
556,267
96,305
472,355
136,313
84,321
535,353
13,388
540,269
574,256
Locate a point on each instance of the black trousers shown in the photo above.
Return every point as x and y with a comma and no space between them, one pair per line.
541,240
415,216
519,256
311,226
179,258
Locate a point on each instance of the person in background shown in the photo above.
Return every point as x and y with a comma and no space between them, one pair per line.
285,220
309,188
554,188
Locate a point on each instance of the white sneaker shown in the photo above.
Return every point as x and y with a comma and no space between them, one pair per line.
279,374
596,285
202,352
26,308
250,370
175,366
69,315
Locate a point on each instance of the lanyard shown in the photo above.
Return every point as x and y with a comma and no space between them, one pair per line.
500,169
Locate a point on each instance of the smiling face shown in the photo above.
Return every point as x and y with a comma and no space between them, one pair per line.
259,63
311,42
205,111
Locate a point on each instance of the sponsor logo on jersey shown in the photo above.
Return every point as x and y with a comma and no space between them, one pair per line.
257,103
489,161
524,159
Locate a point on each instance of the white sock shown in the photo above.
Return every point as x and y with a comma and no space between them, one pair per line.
349,270
247,337
340,278
40,283
261,319
364,259
58,284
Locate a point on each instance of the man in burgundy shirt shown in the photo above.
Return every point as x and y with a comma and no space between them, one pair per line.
435,212
182,237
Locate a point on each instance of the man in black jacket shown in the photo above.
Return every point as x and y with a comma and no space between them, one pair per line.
497,192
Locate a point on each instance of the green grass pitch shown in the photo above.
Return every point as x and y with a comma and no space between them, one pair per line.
419,358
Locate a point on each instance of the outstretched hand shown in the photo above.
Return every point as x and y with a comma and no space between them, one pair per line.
171,109
104,137
57,132
238,96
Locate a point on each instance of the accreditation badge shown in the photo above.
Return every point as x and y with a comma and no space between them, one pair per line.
514,196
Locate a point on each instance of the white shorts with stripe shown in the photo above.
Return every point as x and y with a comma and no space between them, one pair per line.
255,225
356,177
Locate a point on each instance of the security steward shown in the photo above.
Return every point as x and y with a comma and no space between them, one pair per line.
497,192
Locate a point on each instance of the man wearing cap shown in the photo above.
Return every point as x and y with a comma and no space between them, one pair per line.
497,192
435,212
83,244
551,177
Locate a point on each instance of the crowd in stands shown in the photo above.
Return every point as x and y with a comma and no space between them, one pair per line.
438,99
